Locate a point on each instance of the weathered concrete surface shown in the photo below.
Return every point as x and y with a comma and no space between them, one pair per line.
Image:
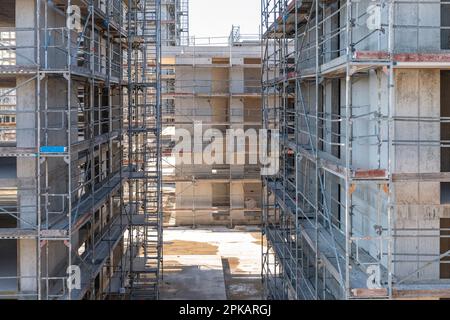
216,263
219,87
193,278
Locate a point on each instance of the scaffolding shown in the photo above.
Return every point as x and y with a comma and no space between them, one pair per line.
347,216
174,22
64,145
79,149
144,148
212,84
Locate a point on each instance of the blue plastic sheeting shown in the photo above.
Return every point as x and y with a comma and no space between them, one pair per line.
53,149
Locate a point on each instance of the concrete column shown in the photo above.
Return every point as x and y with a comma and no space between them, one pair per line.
25,19
26,138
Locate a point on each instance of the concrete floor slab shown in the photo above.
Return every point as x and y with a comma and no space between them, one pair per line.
193,259
192,278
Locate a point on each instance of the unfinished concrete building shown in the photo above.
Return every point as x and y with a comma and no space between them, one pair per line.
92,93
214,86
359,208
80,203
174,22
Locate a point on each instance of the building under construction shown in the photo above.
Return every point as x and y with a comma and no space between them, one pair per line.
212,85
359,208
80,148
92,93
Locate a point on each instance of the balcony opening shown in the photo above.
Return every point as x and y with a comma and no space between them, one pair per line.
252,61
8,265
445,134
336,117
444,248
218,60
220,195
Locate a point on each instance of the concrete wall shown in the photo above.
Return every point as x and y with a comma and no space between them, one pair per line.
237,80
207,72
415,145
26,138
426,37
55,97
416,28
418,203
368,151
418,207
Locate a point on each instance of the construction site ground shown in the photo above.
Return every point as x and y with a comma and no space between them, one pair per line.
212,264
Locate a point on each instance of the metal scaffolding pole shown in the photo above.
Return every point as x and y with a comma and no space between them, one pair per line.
144,145
67,150
336,108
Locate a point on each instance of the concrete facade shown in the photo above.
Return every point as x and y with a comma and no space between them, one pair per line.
60,205
369,112
175,22
218,87
213,263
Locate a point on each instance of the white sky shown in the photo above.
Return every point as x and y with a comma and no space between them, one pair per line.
214,18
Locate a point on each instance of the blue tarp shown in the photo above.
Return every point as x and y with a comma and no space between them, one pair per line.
53,149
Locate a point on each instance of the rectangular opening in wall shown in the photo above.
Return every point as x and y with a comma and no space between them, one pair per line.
105,111
8,40
83,113
252,196
220,195
320,121
220,81
8,208
218,60
330,31
252,111
252,80
445,134
220,114
8,168
252,61
336,204
8,265
8,103
336,117
97,283
445,25
335,22
445,247
445,192
7,13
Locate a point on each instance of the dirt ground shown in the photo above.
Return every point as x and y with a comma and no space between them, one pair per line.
214,263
